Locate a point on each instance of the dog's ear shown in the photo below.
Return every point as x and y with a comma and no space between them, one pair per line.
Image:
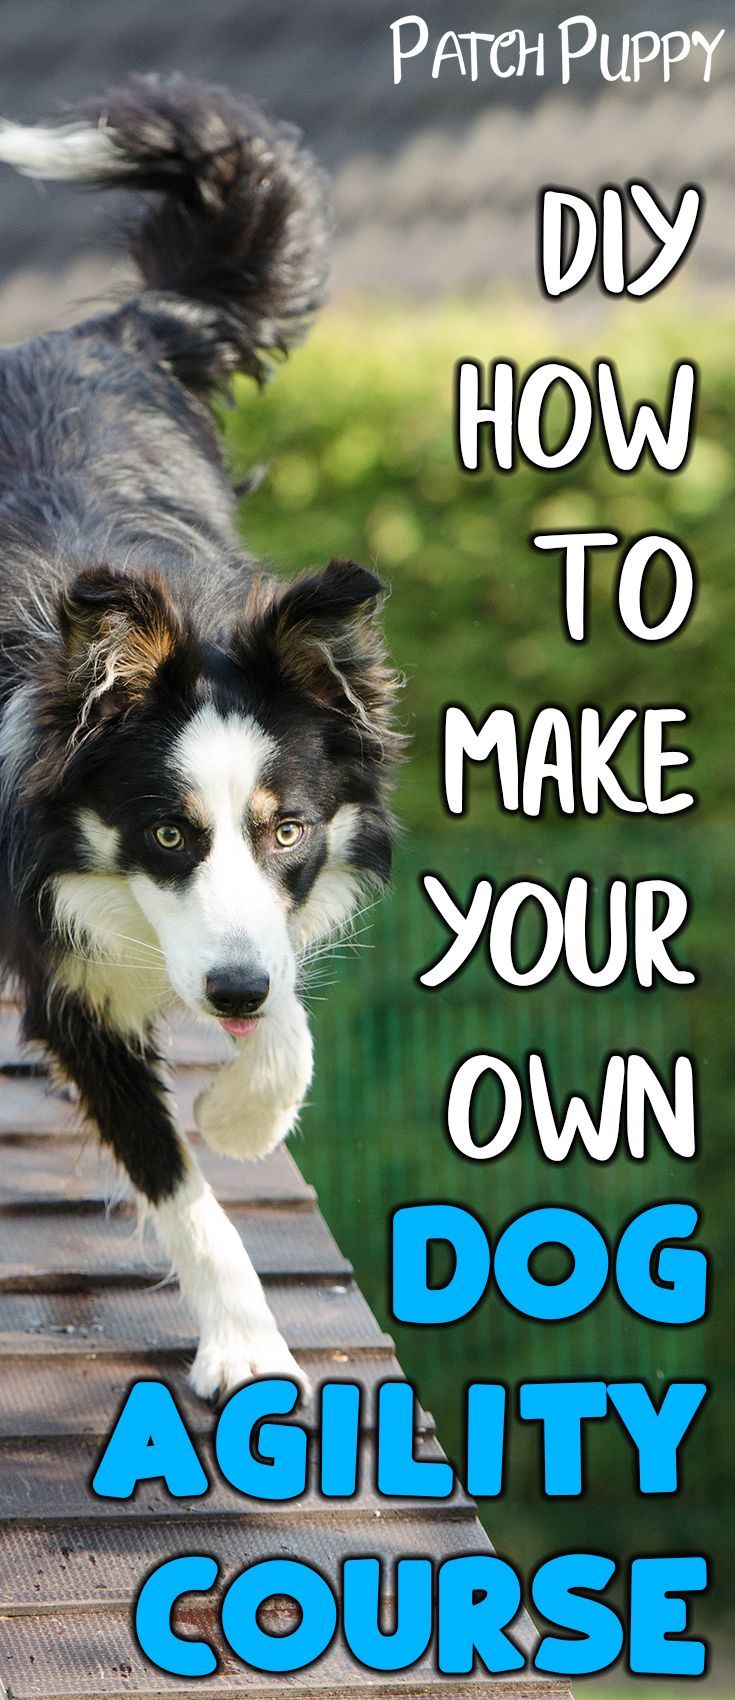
320,634
118,631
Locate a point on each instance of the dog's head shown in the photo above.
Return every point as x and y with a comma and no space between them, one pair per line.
237,789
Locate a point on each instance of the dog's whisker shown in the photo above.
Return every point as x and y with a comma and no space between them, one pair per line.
116,962
128,938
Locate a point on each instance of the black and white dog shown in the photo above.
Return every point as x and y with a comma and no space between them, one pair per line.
194,755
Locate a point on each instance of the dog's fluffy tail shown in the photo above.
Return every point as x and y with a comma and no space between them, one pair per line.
233,251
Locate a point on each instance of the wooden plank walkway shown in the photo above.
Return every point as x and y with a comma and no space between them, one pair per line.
82,1314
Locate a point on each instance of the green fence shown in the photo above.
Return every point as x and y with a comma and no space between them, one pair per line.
375,1137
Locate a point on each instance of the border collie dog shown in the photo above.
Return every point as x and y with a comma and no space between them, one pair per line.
194,755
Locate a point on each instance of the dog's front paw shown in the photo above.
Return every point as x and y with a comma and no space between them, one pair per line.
232,1118
233,1355
253,1103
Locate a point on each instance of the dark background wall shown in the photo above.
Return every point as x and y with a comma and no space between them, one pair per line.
435,181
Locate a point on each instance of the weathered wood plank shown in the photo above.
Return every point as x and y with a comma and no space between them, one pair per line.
185,1042
71,1171
44,1399
94,1656
33,1106
102,1564
14,1053
314,1317
67,1252
48,1481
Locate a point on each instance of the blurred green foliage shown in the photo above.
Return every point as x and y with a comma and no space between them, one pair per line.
356,432
357,436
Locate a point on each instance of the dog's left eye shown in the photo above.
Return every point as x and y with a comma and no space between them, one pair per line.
168,836
288,834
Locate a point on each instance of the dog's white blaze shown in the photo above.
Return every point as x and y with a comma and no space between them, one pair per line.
78,152
221,759
228,914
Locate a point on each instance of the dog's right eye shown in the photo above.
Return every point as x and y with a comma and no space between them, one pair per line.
169,837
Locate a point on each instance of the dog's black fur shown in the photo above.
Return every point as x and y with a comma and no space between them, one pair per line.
127,600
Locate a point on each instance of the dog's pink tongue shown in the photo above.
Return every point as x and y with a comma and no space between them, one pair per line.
238,1029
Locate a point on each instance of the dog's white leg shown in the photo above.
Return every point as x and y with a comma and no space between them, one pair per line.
123,1090
238,1335
255,1099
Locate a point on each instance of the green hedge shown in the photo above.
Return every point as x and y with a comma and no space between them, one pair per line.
356,431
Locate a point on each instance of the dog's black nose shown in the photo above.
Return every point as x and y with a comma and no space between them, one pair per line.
236,991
